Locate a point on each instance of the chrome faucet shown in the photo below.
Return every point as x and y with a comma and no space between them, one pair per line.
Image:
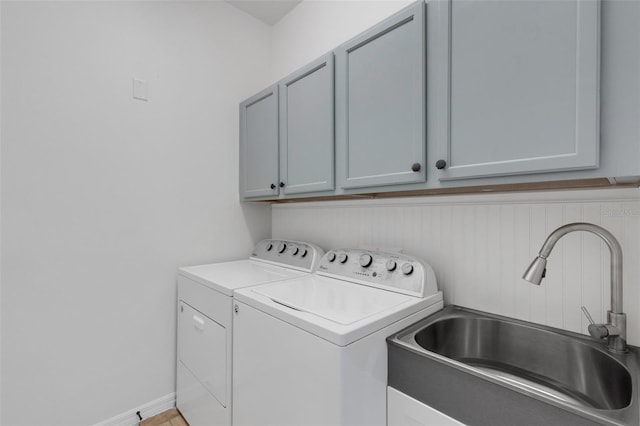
616,328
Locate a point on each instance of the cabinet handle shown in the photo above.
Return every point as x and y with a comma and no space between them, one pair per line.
416,167
441,164
273,186
281,184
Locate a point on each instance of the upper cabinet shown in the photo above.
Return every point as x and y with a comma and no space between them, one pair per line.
499,93
380,103
521,83
259,144
306,128
286,135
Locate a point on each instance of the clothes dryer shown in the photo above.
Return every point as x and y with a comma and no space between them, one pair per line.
205,323
312,350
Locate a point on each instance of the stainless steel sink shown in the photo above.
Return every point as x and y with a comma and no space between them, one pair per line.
559,363
543,375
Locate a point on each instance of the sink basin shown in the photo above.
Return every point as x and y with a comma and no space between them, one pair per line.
562,365
575,378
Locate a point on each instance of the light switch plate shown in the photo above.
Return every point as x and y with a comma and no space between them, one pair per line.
140,89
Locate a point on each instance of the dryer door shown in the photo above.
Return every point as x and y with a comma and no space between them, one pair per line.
203,350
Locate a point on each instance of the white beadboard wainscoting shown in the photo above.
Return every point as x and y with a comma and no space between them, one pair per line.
480,245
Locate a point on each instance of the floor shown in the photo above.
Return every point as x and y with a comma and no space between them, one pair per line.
168,418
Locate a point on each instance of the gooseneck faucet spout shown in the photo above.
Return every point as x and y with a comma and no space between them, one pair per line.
616,328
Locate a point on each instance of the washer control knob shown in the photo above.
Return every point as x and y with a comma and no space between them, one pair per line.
365,260
391,265
303,252
407,268
331,257
296,250
282,247
342,258
269,246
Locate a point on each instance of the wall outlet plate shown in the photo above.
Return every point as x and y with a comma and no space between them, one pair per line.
140,89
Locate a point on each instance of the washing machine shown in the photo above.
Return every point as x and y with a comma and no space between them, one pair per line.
312,350
205,323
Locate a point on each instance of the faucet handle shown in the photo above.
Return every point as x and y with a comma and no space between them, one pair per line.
598,331
586,314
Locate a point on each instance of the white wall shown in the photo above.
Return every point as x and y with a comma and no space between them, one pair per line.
103,196
315,27
0,212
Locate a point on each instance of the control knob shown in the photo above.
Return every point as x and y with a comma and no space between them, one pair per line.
365,260
391,265
304,252
342,258
407,268
331,257
295,250
269,246
282,247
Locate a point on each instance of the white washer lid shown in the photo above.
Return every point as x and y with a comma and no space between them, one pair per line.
228,276
334,300
335,310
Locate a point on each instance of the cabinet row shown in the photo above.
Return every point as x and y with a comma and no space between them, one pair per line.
512,88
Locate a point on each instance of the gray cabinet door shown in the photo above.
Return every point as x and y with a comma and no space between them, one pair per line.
259,144
380,103
522,81
306,128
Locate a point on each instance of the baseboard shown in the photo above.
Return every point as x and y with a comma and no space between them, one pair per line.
150,409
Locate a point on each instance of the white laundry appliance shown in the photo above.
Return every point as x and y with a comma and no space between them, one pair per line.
205,323
312,350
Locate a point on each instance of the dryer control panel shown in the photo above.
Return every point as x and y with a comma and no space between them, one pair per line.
389,271
292,254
